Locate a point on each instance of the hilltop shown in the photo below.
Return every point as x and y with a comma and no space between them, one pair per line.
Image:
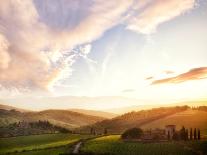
95,113
65,118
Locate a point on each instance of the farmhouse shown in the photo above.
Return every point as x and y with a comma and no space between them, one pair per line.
170,130
159,134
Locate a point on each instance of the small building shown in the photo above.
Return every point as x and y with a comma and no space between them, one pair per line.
153,135
170,130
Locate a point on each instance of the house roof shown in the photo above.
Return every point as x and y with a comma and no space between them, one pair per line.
170,125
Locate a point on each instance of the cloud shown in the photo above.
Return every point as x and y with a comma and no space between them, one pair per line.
149,78
86,50
168,72
193,74
37,37
153,13
4,55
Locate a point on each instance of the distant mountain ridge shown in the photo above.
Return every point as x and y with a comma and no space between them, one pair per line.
111,104
127,109
7,107
74,102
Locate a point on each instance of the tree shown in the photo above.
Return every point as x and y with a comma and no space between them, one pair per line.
105,131
182,133
132,133
168,135
94,132
191,133
186,134
175,136
199,134
195,135
91,131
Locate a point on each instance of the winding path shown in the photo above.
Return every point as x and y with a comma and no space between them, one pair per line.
77,147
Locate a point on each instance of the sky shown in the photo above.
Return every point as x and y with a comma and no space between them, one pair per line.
148,51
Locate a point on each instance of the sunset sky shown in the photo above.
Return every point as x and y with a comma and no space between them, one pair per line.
148,51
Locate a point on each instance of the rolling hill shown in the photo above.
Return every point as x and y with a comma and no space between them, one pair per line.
154,118
133,119
65,118
95,113
188,118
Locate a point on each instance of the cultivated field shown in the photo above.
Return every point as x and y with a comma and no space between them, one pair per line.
113,145
50,144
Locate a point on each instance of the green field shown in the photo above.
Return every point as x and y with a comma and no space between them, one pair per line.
39,143
54,144
50,151
113,145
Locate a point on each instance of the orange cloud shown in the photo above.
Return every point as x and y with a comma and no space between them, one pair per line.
193,74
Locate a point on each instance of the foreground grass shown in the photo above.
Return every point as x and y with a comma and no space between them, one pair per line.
49,151
38,142
113,145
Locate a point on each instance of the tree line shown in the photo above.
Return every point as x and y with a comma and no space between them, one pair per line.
185,134
40,124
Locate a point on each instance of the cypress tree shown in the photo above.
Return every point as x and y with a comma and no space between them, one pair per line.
199,134
168,135
186,134
182,133
191,133
195,135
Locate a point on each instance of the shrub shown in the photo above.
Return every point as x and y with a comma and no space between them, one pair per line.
132,133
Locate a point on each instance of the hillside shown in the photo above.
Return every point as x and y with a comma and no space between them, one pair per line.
123,110
31,128
65,118
133,119
189,118
95,113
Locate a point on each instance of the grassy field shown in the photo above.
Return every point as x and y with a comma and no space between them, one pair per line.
113,145
43,143
50,151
